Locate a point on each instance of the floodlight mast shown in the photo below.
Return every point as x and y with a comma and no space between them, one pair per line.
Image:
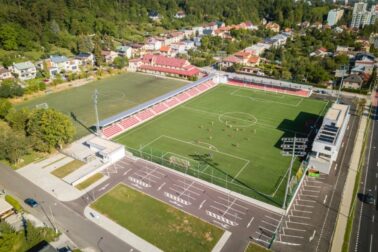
289,174
95,97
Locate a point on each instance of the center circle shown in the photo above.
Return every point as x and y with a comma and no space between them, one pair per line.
237,119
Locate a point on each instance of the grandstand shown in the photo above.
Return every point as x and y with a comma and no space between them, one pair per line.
131,118
289,90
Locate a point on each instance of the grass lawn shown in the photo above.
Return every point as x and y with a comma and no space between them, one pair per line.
231,136
89,181
116,94
253,247
26,159
66,169
162,225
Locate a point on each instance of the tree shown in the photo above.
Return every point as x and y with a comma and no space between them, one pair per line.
5,106
85,44
52,128
120,62
8,37
17,119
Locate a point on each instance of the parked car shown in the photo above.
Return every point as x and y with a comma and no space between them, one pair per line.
31,202
369,198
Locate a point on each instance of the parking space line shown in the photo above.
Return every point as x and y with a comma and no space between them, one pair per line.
269,223
302,211
261,227
186,189
300,205
236,210
313,196
294,236
179,193
295,229
299,223
313,201
261,234
314,191
236,204
193,186
302,217
267,216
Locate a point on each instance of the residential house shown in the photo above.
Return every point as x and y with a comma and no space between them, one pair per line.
6,209
166,50
154,16
353,81
364,61
208,32
365,44
321,52
197,41
244,58
162,65
251,26
197,30
373,39
109,56
279,40
230,61
174,37
5,73
60,64
179,48
153,44
180,14
24,70
124,51
85,59
273,26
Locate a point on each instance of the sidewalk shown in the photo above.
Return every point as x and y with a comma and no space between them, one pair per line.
347,196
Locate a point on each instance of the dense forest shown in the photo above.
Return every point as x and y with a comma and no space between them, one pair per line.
37,25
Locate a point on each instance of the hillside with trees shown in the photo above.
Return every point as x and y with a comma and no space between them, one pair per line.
35,28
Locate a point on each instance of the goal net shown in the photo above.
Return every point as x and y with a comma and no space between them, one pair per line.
42,106
179,161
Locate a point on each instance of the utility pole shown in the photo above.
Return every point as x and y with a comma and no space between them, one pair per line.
344,70
95,98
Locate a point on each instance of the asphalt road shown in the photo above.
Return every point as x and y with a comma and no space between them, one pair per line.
365,225
54,213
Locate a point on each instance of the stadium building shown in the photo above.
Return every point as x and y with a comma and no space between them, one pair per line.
327,143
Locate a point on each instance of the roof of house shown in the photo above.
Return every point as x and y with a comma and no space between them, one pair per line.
83,55
354,78
58,59
4,206
165,49
207,32
232,59
3,70
23,65
254,59
163,61
123,48
322,49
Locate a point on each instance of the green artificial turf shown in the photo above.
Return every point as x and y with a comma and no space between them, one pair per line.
116,94
162,225
230,136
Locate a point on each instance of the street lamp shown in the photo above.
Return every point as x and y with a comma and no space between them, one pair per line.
98,243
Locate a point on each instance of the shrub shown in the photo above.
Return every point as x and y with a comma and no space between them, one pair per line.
15,204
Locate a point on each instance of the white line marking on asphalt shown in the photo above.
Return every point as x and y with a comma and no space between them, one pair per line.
104,187
325,199
249,223
295,229
312,237
300,205
302,211
376,175
299,223
288,243
335,167
314,191
294,236
267,216
221,224
201,205
342,145
269,223
314,196
373,218
371,242
161,186
267,229
303,217
313,201
125,173
375,187
261,234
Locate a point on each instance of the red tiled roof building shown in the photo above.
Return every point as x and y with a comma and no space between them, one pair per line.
159,64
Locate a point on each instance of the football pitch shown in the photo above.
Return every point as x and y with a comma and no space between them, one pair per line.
229,136
116,94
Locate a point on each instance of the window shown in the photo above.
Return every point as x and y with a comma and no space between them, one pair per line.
327,148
